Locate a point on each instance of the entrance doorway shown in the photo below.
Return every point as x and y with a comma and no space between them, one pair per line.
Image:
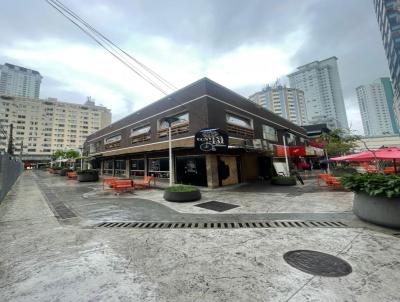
191,170
227,170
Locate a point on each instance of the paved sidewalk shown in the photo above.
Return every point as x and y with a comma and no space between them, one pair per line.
45,259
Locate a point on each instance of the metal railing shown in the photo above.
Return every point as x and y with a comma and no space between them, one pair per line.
10,168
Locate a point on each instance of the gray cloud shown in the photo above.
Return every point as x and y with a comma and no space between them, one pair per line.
342,28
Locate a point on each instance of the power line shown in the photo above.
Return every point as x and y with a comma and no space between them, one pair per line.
159,77
117,56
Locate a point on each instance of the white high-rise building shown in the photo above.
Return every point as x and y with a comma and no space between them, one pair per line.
376,107
286,102
19,81
320,82
44,126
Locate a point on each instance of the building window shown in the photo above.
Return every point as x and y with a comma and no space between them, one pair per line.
137,167
239,125
183,118
140,134
269,133
178,127
240,121
159,167
119,167
112,142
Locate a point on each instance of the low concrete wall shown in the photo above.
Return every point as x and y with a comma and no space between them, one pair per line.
10,169
378,210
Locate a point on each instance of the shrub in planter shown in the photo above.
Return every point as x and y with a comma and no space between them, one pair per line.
283,180
88,175
377,197
182,193
63,172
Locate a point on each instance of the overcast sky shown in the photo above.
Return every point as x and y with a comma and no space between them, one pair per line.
240,44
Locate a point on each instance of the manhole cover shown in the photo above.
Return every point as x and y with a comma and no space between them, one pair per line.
317,263
216,206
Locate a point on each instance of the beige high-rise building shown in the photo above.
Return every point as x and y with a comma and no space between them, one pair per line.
45,126
288,103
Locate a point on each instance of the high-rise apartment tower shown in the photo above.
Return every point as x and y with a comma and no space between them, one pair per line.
388,15
376,103
320,82
19,81
286,102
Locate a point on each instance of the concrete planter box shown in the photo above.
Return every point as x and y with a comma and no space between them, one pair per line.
88,177
182,196
378,210
283,181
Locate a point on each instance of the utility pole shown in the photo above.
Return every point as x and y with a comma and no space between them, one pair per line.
10,149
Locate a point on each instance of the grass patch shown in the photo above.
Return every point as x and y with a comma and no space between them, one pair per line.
181,189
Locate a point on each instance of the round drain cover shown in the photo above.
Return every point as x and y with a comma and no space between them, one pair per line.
317,263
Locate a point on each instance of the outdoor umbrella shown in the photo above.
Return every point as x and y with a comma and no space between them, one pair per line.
381,154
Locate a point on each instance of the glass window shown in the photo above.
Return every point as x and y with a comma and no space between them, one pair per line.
137,164
137,167
183,118
269,133
112,139
140,131
239,121
159,167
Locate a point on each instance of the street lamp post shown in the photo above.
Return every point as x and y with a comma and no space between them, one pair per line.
286,156
81,149
170,120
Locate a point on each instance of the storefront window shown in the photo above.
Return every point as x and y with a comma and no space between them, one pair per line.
183,118
159,167
269,133
136,167
108,167
120,167
238,121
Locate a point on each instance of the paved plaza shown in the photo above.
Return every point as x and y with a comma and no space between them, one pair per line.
45,257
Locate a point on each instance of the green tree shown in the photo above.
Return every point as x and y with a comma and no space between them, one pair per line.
72,154
339,142
58,153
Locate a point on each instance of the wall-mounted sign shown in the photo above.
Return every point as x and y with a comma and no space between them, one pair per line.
211,140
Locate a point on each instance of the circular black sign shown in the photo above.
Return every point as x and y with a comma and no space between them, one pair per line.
317,263
211,140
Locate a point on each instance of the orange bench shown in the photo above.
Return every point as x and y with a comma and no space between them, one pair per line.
330,181
109,181
145,183
122,185
72,175
389,170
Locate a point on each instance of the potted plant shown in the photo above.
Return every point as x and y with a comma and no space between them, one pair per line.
87,175
64,171
57,170
283,180
376,198
182,193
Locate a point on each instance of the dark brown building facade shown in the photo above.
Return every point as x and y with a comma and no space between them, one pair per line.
137,145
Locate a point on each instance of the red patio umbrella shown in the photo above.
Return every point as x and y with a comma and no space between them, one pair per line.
381,154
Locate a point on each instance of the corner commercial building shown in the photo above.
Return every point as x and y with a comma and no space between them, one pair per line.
288,103
44,126
388,15
19,81
320,82
376,108
137,145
